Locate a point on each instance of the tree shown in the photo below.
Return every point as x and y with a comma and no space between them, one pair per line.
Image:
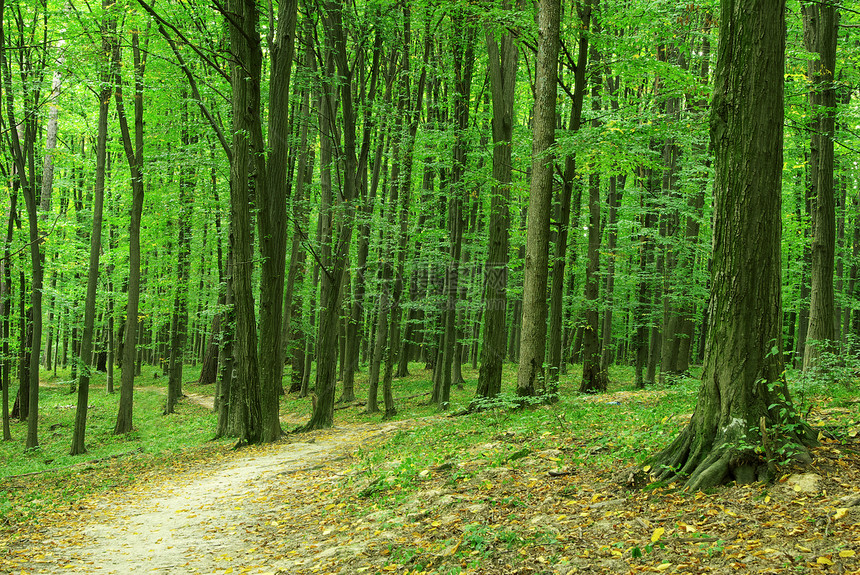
110,57
134,157
743,402
820,24
503,54
330,296
530,373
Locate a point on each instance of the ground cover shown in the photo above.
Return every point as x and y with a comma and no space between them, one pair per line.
541,490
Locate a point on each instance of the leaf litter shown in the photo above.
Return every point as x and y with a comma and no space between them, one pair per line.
313,504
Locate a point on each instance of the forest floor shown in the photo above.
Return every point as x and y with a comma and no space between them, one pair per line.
340,501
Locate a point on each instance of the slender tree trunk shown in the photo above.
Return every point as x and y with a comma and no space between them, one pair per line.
110,54
323,412
594,376
134,155
179,324
820,30
556,316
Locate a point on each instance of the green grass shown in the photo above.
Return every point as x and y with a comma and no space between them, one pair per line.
35,481
604,431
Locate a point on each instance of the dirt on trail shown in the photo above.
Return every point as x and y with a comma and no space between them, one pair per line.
256,513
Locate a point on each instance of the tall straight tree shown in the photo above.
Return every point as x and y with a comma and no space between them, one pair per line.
245,71
503,56
533,333
22,136
272,204
594,377
179,322
134,157
557,315
743,401
332,281
820,25
110,57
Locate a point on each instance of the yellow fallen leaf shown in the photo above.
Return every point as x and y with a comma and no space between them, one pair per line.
767,498
840,513
803,549
824,560
847,553
663,566
658,533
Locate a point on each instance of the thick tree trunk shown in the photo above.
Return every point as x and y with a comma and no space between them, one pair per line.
272,204
743,402
503,55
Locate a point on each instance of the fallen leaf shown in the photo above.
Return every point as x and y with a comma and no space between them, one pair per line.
658,533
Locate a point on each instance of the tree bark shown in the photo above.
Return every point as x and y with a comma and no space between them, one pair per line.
530,373
134,156
743,401
503,55
820,29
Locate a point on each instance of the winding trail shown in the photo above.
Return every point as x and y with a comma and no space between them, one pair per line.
257,513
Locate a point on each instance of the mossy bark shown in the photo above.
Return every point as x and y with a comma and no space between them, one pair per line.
744,411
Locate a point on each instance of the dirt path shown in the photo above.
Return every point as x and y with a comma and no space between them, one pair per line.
258,513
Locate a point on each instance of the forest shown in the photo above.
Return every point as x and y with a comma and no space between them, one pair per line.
590,235
280,197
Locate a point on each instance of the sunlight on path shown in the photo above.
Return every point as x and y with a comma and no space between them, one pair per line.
210,520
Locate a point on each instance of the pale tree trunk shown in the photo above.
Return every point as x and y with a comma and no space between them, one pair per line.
820,24
743,407
530,372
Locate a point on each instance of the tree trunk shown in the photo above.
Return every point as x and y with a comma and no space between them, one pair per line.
594,376
503,56
743,403
179,324
820,28
556,316
323,412
272,205
110,53
530,373
134,156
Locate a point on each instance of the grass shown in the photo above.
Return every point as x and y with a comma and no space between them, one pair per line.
34,482
606,431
